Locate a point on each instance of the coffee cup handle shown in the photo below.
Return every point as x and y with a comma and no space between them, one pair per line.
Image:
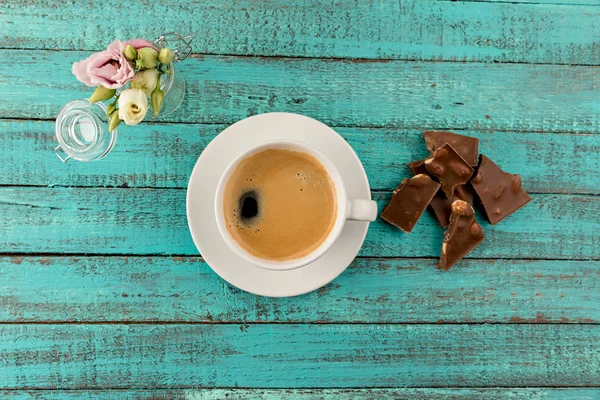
361,210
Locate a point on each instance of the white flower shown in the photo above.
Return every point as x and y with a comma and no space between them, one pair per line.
133,105
145,80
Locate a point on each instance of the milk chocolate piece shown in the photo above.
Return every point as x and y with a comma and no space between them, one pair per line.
461,237
466,146
450,168
441,206
409,200
418,167
499,192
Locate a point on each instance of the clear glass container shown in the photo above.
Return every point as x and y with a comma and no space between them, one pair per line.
82,132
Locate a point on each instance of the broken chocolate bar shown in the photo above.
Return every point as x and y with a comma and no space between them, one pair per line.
462,236
418,167
499,192
450,168
409,200
466,146
441,206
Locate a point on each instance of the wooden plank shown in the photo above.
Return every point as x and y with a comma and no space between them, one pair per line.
160,155
298,356
442,30
397,94
312,394
158,289
540,2
144,221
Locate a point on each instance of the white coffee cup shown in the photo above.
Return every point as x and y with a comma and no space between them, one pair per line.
347,209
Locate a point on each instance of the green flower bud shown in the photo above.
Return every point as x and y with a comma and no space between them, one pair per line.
165,56
102,94
130,52
112,107
114,121
147,57
157,99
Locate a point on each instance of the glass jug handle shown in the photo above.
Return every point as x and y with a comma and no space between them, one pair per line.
171,40
63,157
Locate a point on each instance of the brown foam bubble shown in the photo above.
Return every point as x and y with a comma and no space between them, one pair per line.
296,204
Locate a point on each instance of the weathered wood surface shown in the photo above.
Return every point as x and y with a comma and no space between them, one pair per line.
144,221
297,356
411,29
157,155
312,394
159,289
398,94
539,2
143,321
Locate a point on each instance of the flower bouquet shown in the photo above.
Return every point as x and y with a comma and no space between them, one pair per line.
129,77
130,72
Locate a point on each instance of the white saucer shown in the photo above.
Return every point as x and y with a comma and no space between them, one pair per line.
201,196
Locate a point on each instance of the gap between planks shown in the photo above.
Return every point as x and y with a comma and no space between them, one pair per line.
373,191
333,58
244,323
300,389
208,388
385,126
199,257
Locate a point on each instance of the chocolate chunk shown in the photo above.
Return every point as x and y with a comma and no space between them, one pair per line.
461,237
466,146
499,192
418,167
409,200
450,168
441,206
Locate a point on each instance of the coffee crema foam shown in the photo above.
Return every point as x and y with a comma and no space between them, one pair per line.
280,204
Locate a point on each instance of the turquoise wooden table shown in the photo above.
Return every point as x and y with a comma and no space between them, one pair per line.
103,294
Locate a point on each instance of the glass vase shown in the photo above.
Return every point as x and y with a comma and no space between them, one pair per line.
82,132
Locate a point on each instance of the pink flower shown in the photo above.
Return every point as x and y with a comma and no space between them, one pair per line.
108,68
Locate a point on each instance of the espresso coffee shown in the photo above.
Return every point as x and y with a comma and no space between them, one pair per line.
280,204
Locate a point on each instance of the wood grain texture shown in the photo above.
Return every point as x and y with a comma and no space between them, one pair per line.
297,356
158,289
538,2
412,29
77,326
396,94
157,155
143,221
311,394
